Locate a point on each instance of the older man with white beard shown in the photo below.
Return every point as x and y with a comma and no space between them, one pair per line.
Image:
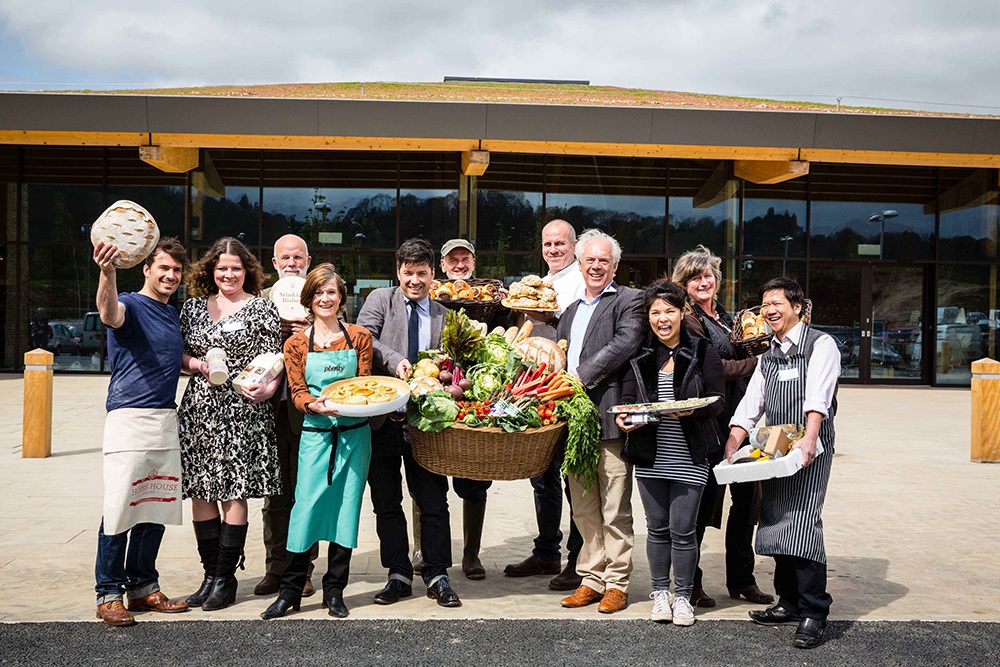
605,329
291,258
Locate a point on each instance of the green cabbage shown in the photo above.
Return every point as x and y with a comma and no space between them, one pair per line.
495,349
486,378
434,411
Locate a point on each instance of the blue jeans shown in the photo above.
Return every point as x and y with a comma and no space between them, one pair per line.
126,562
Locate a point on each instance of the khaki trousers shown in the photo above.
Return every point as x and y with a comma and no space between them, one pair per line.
604,518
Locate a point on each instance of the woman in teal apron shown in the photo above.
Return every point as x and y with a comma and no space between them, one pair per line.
334,451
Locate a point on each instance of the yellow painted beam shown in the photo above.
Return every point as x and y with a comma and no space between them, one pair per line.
172,159
766,172
642,150
474,163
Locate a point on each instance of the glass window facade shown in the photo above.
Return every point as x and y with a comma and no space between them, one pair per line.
916,246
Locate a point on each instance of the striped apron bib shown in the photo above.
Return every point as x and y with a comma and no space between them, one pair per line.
791,521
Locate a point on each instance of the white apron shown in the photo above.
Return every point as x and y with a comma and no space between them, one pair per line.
142,469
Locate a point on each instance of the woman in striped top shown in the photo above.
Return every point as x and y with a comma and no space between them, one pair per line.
671,457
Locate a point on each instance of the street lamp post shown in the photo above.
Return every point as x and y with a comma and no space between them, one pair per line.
880,219
785,239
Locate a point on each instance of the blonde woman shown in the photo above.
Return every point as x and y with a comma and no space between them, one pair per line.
698,272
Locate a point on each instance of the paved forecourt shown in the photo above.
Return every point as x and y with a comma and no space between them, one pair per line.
910,526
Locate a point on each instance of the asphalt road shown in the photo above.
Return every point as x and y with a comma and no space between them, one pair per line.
493,642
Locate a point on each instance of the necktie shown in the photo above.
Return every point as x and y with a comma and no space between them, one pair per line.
413,334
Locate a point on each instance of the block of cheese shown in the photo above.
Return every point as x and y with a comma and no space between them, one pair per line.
264,368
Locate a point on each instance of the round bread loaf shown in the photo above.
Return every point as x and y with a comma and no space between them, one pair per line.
130,228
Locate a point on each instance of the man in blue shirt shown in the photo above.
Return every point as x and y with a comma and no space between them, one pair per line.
142,488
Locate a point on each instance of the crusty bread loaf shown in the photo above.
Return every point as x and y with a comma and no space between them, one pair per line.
130,228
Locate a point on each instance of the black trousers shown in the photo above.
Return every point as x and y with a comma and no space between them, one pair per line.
739,531
390,448
548,491
800,584
297,566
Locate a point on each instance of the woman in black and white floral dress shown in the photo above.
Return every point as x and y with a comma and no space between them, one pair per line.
228,445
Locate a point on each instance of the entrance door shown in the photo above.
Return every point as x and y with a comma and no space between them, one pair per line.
876,313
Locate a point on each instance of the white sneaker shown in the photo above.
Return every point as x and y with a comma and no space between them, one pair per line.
683,612
662,601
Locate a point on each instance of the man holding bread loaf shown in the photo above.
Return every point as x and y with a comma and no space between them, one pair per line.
142,458
559,253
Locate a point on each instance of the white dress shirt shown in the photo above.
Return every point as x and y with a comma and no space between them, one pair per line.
578,330
569,286
822,373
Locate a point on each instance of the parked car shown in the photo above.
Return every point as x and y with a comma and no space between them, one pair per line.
883,354
92,330
61,340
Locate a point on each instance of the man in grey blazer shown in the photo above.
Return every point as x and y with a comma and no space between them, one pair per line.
605,329
404,320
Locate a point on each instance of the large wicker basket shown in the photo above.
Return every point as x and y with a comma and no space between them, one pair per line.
477,310
759,344
487,453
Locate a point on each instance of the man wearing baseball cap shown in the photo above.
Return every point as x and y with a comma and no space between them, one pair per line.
458,259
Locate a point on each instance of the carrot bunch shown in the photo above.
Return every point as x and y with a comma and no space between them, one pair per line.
543,386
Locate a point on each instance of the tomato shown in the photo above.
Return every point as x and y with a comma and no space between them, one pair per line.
551,405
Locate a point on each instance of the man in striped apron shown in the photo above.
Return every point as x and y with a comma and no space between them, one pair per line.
794,383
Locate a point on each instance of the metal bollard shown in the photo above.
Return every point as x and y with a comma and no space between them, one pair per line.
36,429
986,410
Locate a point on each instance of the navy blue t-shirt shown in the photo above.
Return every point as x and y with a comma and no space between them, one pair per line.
145,354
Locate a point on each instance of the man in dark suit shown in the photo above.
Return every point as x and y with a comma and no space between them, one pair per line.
291,258
605,329
404,320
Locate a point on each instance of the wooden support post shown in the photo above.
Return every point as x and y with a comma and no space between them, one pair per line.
172,159
474,163
36,428
986,410
767,172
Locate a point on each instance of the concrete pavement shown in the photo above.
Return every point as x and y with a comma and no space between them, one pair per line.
911,526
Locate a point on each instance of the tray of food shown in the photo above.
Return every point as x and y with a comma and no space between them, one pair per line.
531,294
753,334
663,407
367,396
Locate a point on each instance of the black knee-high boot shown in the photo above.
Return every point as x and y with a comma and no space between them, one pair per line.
207,534
231,543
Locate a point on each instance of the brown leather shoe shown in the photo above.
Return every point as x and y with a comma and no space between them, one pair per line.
308,589
533,565
567,580
157,602
114,613
751,593
613,600
268,585
583,596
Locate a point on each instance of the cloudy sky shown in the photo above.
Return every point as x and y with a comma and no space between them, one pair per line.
944,55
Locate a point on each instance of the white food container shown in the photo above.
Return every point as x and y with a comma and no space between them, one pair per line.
786,466
264,368
218,371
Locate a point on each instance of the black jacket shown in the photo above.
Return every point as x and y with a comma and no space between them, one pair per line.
697,374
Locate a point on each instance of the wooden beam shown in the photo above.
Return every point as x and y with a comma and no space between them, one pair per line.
46,138
300,142
901,158
716,189
207,179
172,159
642,150
764,172
971,192
474,163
